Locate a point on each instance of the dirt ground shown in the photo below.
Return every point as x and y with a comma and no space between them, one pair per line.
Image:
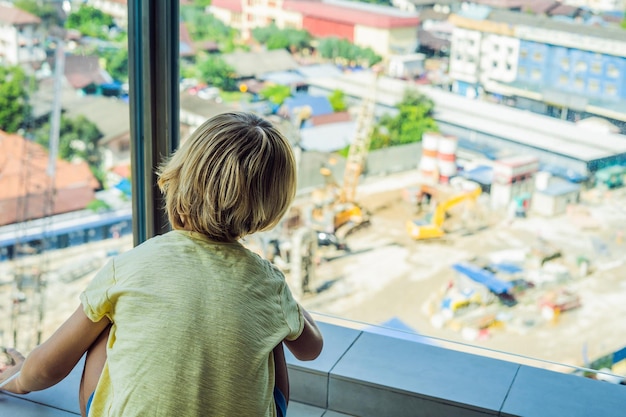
388,275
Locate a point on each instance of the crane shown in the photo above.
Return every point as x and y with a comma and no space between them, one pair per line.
346,214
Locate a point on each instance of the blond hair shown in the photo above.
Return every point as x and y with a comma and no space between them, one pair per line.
235,175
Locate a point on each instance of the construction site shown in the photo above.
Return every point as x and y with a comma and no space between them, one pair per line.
526,262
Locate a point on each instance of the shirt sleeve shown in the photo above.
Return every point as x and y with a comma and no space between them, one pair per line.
292,313
94,298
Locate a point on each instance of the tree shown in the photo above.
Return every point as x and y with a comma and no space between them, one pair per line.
338,101
346,53
274,38
202,26
216,72
90,22
14,107
276,93
414,117
78,140
117,63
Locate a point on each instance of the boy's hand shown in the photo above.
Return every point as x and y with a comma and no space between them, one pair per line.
10,367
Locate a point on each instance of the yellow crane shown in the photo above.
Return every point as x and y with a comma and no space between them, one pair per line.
346,213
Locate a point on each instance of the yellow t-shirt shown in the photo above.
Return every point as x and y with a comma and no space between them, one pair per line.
194,326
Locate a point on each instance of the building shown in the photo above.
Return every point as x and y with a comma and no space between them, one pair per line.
85,74
563,69
553,198
25,184
20,37
512,177
385,30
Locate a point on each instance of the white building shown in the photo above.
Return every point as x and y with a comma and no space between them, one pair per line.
20,36
512,177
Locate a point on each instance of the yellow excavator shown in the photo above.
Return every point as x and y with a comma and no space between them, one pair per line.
431,226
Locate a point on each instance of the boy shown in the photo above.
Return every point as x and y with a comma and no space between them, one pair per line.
191,323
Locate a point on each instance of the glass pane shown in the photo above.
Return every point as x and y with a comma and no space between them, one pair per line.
65,149
488,209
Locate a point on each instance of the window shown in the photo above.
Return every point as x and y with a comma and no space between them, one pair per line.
579,83
610,89
90,116
581,66
565,64
388,266
612,71
596,68
594,86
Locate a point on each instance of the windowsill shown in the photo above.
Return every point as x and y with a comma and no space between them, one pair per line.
365,374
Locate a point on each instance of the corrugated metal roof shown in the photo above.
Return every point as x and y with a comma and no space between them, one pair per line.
519,126
255,64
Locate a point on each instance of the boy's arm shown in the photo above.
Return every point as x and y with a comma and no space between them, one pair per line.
308,345
53,360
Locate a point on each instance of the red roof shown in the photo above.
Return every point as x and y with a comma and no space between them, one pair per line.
355,15
232,5
19,156
16,16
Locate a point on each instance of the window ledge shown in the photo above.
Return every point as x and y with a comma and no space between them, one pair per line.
366,374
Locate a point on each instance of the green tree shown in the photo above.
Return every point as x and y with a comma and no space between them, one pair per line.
276,93
117,63
203,26
338,100
414,117
345,52
14,108
90,22
216,72
274,38
78,140
262,34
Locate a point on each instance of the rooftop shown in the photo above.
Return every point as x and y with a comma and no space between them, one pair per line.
255,64
351,12
19,155
519,126
17,17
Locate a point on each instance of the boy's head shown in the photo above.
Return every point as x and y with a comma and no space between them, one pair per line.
235,175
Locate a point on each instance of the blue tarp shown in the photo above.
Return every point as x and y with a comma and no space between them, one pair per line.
124,186
484,277
319,104
506,267
482,174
